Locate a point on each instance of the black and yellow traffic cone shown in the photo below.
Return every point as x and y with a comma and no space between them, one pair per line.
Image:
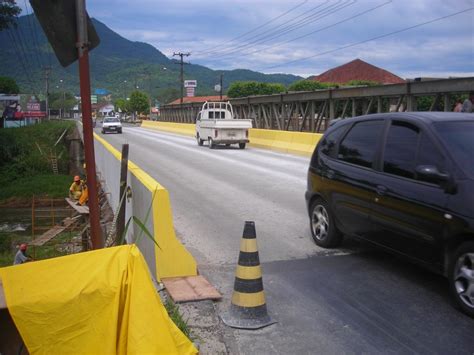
248,309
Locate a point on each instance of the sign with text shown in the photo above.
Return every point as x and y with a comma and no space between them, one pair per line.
190,83
33,106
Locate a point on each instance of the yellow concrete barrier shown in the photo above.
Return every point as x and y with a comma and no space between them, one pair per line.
179,128
172,258
299,143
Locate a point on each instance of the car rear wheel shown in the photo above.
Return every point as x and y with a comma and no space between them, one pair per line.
323,228
461,277
211,143
242,145
199,140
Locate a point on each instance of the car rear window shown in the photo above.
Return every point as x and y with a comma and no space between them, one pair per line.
360,144
459,139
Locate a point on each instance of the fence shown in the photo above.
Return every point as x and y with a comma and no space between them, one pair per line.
312,111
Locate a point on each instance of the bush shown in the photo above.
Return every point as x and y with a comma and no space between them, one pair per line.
253,88
310,85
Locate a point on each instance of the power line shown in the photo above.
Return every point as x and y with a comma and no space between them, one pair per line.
318,30
182,64
36,41
372,39
29,56
324,13
21,57
311,12
35,47
254,29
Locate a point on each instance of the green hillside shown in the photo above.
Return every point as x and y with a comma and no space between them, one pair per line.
117,65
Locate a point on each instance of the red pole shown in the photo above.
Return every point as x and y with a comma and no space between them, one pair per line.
84,77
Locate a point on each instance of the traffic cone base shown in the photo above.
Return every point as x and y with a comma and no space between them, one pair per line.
248,309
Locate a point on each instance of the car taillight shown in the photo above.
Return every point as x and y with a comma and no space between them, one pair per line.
216,133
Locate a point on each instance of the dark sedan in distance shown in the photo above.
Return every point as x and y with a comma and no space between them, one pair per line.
404,182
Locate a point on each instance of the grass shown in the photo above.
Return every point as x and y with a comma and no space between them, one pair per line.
177,318
55,186
47,251
25,168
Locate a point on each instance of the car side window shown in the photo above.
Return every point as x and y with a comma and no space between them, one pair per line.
428,154
329,142
359,146
400,149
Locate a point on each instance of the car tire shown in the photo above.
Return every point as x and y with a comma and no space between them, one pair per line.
120,131
212,145
322,224
461,277
199,140
242,145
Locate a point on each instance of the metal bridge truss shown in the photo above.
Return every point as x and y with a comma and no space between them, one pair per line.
312,111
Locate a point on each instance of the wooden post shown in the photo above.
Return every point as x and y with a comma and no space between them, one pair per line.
123,187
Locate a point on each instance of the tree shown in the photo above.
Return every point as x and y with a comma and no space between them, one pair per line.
122,105
8,86
139,102
65,101
363,83
8,13
252,88
310,85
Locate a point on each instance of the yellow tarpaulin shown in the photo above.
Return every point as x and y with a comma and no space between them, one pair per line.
99,302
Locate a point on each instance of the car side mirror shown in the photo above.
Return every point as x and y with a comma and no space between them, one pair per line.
430,173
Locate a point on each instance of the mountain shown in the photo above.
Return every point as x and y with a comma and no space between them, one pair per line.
117,65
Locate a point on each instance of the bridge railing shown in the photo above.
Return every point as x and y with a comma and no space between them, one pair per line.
311,111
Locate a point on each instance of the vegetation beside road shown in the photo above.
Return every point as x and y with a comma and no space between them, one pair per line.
25,161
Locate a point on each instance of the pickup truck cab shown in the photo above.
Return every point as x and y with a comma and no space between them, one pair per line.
216,125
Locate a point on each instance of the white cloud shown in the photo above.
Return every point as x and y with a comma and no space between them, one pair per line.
440,48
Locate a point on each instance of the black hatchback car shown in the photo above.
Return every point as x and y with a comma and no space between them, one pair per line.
402,181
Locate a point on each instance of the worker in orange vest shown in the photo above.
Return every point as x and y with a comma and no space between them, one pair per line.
76,189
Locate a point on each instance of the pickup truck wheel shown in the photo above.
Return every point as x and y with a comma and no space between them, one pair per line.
211,143
199,140
242,145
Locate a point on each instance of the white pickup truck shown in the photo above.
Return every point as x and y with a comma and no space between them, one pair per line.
216,125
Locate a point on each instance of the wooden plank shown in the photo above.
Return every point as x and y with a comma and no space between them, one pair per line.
191,288
53,232
80,209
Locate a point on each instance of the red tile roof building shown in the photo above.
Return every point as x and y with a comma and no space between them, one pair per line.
198,99
358,70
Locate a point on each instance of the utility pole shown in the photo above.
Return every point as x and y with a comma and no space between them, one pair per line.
182,63
222,77
84,74
47,72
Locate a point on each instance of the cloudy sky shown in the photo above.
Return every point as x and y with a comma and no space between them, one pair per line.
303,37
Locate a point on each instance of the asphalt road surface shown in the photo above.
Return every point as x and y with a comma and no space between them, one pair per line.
352,300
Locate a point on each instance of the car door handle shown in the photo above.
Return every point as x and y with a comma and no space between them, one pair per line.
381,190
